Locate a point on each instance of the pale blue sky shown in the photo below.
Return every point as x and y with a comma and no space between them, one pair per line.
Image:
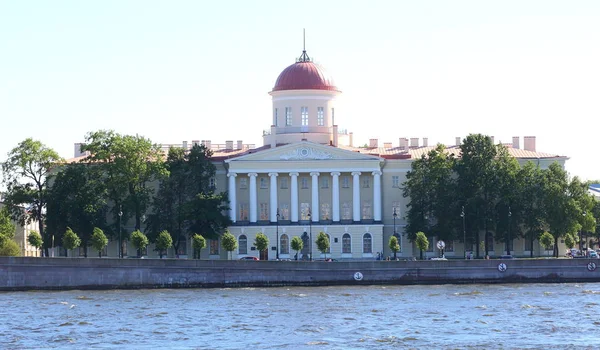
193,70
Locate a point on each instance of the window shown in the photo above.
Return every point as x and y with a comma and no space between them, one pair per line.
243,211
325,182
304,183
212,183
320,116
81,251
449,246
346,211
490,243
243,183
284,212
264,211
304,211
510,245
288,116
263,183
396,209
346,244
366,210
304,115
182,248
284,245
243,245
275,117
395,181
283,183
345,181
214,247
365,182
367,243
325,211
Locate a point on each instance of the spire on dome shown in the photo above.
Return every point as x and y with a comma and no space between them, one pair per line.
304,57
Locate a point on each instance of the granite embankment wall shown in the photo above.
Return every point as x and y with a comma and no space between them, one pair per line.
21,273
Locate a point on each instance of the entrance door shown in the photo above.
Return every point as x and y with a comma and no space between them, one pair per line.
264,254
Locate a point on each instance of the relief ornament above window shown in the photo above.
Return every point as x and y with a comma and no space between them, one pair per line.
306,153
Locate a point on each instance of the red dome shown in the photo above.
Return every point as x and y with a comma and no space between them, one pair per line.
304,75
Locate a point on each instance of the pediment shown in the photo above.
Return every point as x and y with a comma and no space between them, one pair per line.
304,151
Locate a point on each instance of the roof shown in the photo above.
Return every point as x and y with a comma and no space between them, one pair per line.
304,75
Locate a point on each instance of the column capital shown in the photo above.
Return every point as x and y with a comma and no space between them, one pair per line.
294,174
376,172
273,174
356,173
315,173
231,174
336,173
252,174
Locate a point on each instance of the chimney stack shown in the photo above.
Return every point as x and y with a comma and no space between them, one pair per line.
335,135
240,144
414,142
515,143
351,139
184,145
457,141
373,143
229,145
404,143
425,142
529,143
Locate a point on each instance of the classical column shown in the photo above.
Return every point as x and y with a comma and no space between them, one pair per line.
314,210
253,196
356,196
232,197
377,195
273,198
294,196
335,196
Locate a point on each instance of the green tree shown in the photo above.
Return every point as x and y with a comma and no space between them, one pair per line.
163,242
394,245
323,243
10,248
198,242
98,240
35,239
297,245
569,241
70,240
546,240
261,242
229,243
26,173
139,241
7,229
531,187
422,243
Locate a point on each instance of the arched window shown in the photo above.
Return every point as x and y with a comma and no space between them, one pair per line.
284,244
329,239
367,243
346,244
243,245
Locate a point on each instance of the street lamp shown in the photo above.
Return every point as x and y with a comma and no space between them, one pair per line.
120,213
508,232
395,215
277,254
462,215
310,237
581,235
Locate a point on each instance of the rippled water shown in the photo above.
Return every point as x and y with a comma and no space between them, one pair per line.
526,316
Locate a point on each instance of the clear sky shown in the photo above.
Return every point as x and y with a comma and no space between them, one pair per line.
194,70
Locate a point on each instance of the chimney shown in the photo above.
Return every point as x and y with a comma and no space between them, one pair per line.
515,142
404,143
373,143
387,145
240,144
414,142
77,150
457,141
529,143
335,135
425,141
229,145
351,139
184,145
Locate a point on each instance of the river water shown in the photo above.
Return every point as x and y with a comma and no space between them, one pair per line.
511,316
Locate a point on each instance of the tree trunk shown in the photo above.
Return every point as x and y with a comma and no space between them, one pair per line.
100,254
420,254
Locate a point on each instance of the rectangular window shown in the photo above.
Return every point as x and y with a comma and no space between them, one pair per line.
182,248
320,116
263,183
365,182
395,181
275,117
325,211
347,211
243,183
284,244
346,244
490,242
243,245
212,183
304,183
304,211
366,210
283,183
243,212
264,211
284,212
396,209
345,181
449,246
214,247
325,182
288,116
304,115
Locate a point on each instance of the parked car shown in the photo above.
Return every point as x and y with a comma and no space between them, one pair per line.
592,254
249,258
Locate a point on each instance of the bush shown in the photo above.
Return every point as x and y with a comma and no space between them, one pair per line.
198,242
139,241
71,240
10,248
99,240
163,242
229,242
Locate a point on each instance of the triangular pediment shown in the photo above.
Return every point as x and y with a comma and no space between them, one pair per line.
304,151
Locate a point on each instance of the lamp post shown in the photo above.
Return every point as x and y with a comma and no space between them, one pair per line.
508,233
120,213
462,215
395,215
581,236
277,225
310,236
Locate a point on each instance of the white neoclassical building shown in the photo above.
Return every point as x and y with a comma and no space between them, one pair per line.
308,177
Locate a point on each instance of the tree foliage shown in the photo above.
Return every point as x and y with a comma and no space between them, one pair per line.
297,245
35,239
139,241
229,243
26,175
198,243
7,229
394,245
70,240
546,240
261,241
422,243
10,248
323,243
98,240
163,242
